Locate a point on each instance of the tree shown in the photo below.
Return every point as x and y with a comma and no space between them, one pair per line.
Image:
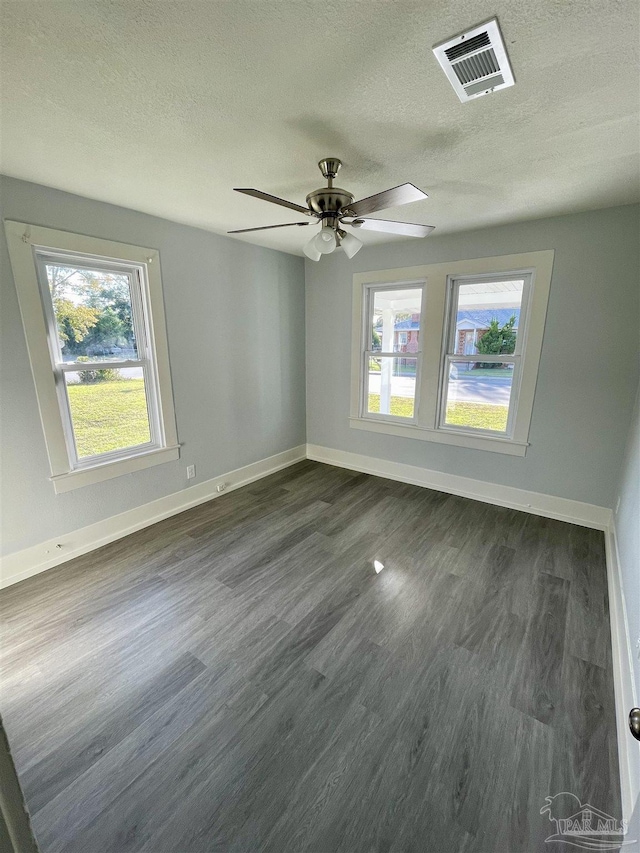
93,289
92,307
78,284
113,297
74,321
497,340
107,330
122,307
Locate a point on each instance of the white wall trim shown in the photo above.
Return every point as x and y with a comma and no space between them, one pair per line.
38,558
442,436
623,678
31,561
550,506
107,470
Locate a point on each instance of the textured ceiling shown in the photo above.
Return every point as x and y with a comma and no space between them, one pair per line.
165,105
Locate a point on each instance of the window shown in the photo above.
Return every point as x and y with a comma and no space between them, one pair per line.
391,382
450,352
481,363
94,323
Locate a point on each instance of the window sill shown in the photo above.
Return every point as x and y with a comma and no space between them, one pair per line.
108,470
476,442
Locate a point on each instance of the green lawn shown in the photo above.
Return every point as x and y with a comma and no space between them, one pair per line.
476,415
489,372
113,415
401,406
399,370
109,415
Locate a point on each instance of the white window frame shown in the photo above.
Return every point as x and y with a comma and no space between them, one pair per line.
370,291
436,331
30,247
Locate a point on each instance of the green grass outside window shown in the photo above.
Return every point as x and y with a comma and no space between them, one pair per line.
473,415
109,415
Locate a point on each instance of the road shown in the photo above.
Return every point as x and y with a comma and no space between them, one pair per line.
125,373
482,389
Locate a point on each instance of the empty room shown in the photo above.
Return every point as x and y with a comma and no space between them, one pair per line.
320,429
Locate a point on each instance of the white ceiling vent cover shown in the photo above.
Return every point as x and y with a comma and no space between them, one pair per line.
476,62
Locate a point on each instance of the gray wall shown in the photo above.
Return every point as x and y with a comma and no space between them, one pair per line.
627,521
588,371
223,296
235,322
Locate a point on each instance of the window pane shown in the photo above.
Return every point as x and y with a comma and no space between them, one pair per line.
93,312
396,320
487,318
108,409
391,386
478,395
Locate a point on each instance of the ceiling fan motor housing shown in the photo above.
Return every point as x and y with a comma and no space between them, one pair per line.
328,202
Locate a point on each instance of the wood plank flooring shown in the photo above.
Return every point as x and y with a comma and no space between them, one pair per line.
240,678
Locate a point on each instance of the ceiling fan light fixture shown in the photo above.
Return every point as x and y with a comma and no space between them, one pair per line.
351,245
325,242
310,249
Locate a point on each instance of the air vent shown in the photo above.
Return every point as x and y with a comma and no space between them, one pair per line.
476,62
465,47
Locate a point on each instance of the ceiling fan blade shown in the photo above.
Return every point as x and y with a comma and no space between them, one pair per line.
266,227
406,229
275,200
394,197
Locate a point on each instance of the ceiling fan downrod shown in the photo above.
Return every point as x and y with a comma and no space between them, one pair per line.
330,167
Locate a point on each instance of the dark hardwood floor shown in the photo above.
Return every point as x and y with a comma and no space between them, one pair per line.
240,678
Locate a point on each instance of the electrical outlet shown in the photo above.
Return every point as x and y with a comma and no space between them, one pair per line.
191,472
221,487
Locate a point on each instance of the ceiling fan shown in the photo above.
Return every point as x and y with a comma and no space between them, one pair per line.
334,207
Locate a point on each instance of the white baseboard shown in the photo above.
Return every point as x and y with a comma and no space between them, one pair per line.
39,558
31,561
550,506
623,679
